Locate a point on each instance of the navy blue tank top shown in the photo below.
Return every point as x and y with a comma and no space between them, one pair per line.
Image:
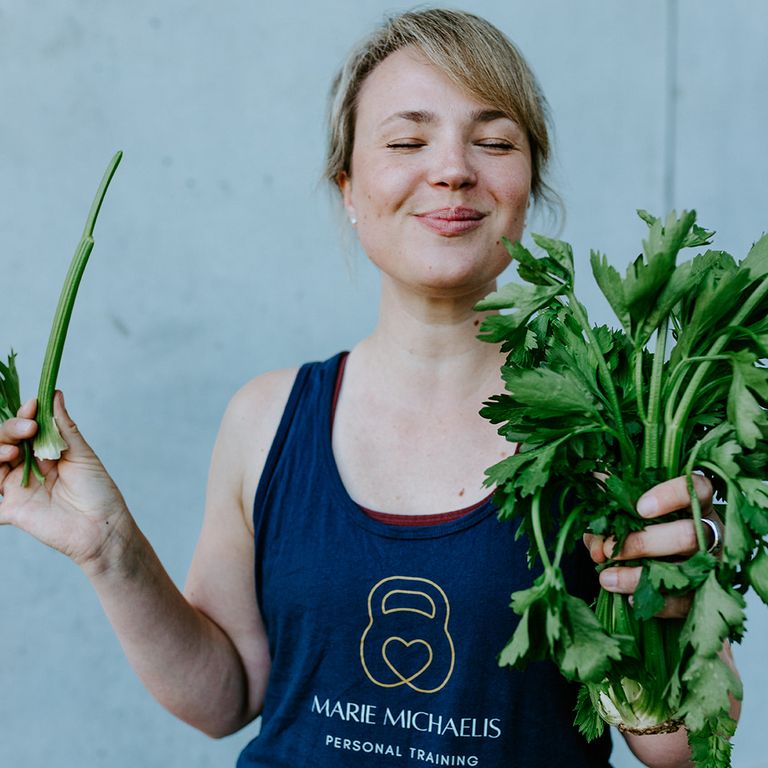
384,638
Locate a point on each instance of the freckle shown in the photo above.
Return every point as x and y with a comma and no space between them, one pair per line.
476,323
498,242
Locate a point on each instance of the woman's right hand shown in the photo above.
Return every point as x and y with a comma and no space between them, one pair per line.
78,511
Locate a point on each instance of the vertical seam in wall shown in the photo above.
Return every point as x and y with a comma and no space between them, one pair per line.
670,110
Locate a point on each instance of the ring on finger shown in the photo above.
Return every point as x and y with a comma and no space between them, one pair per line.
717,538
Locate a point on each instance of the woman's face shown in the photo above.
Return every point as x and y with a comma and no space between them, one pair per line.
437,178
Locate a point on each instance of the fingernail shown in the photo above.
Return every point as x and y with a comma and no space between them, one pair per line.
609,579
647,506
5,450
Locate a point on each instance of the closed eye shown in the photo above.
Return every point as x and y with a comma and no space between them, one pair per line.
405,144
495,144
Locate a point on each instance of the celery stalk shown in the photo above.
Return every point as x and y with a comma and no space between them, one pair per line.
48,443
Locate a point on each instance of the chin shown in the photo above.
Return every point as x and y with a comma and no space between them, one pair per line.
464,275
449,268
455,285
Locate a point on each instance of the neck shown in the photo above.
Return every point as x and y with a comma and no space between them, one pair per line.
429,342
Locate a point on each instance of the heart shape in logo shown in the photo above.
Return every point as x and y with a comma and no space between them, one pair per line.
403,661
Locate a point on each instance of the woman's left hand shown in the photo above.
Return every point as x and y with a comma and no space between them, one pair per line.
672,539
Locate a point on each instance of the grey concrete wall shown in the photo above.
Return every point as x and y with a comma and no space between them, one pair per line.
218,256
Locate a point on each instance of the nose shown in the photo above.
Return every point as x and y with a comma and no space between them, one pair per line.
452,167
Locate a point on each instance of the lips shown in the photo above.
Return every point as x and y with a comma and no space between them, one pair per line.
451,221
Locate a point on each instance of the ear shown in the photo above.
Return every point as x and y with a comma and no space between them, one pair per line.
344,180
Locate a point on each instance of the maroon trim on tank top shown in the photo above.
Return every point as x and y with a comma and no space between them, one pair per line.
390,517
337,387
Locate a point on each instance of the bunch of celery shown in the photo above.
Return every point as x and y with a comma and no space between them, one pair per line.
48,443
601,415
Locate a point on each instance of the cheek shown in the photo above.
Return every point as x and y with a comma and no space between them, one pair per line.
513,222
501,258
518,189
383,188
516,202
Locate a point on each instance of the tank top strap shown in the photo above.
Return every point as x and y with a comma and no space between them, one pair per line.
309,402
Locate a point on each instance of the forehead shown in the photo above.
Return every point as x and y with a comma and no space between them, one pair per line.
406,82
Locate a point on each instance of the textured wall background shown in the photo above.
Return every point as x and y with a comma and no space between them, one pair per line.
218,256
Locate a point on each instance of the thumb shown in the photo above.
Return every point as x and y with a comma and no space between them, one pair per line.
77,447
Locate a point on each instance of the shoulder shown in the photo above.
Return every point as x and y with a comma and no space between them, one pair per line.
248,427
259,403
256,408
253,414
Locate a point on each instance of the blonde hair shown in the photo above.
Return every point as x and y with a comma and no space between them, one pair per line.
474,54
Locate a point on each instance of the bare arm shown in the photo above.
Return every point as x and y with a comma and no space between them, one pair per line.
187,662
203,656
220,582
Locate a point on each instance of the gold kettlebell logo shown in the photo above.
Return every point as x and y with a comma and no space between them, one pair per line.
407,641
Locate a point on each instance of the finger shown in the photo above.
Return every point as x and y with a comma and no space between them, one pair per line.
620,579
21,427
660,540
594,544
17,429
4,471
625,581
77,447
29,409
672,495
676,607
8,453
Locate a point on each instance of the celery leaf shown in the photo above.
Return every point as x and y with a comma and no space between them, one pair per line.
716,613
757,572
587,650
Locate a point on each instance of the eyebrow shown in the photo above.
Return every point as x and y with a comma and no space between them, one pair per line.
422,116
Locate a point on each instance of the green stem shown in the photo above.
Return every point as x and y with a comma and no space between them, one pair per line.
90,221
695,505
562,536
731,329
701,539
676,381
651,446
48,442
538,535
605,376
30,465
676,377
673,437
639,381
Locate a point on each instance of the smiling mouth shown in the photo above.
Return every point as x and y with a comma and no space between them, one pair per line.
450,222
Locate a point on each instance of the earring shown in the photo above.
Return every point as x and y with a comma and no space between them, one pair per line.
352,220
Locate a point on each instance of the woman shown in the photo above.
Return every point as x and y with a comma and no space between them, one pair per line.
353,487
